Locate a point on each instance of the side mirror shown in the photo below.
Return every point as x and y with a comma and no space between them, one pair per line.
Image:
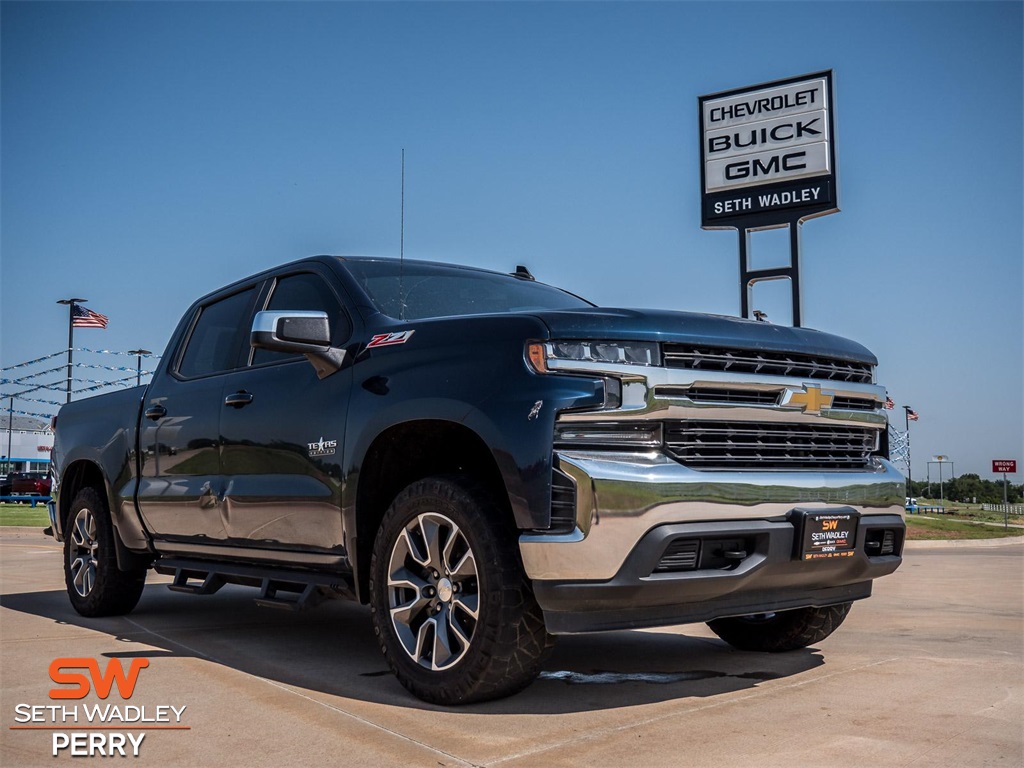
306,333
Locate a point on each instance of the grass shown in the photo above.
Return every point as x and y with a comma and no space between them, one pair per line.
24,514
921,527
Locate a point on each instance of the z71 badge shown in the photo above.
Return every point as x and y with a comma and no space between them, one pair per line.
390,339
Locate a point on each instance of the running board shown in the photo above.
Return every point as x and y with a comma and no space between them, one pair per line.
282,589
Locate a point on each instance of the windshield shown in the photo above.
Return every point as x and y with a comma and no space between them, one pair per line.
435,290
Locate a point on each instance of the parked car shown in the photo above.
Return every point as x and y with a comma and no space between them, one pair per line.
30,484
5,485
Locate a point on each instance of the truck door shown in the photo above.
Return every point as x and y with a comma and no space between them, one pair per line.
282,435
181,482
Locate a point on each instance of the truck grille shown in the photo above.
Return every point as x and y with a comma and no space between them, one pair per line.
740,445
699,358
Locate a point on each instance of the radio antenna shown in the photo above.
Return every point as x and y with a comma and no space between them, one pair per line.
401,249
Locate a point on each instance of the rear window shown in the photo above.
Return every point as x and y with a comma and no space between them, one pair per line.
429,290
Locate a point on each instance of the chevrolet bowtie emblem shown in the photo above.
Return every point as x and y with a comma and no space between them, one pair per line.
812,399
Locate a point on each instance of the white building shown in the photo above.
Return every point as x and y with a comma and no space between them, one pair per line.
28,442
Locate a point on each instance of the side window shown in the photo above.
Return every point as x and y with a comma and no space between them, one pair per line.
305,291
216,339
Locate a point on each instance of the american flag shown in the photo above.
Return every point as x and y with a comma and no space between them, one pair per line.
889,403
82,317
911,414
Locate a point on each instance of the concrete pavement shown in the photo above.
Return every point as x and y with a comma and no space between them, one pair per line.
927,672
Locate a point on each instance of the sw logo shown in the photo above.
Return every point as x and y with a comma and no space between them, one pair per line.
830,525
102,682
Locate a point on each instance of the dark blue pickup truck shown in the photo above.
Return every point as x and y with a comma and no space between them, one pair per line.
487,461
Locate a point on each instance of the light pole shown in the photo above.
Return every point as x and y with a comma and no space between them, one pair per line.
71,335
138,363
10,431
940,460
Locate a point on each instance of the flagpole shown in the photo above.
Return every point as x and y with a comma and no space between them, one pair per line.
71,337
910,473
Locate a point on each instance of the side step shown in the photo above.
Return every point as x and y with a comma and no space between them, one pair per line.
282,589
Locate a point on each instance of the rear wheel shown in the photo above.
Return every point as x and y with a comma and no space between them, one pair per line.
782,631
454,613
95,585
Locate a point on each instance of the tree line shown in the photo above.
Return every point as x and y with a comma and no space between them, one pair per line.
969,487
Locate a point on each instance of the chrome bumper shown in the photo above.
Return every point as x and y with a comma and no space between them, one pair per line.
622,496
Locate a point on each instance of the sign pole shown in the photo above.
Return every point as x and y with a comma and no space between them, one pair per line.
1005,466
1006,504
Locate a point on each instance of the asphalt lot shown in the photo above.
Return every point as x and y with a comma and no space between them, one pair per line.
928,672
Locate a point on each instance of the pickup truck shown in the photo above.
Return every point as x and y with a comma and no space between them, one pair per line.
487,461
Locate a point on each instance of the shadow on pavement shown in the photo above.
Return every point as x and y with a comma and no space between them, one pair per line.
331,649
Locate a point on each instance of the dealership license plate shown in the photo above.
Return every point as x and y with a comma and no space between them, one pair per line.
827,536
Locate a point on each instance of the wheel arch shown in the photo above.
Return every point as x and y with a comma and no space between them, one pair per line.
405,453
84,473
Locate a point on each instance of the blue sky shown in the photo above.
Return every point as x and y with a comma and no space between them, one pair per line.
152,152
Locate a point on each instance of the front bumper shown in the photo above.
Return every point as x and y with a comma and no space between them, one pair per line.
631,507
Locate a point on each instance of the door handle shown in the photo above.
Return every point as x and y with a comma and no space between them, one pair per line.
238,399
156,412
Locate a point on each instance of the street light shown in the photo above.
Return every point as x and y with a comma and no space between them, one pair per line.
940,460
138,363
71,334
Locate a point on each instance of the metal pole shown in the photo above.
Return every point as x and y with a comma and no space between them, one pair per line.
794,263
942,495
1006,501
910,478
10,431
138,363
71,336
744,269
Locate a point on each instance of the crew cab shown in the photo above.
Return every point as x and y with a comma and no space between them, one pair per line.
487,462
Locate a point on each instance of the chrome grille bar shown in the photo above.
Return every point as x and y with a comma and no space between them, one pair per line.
699,358
738,445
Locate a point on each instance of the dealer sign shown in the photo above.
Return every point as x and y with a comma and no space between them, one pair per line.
768,153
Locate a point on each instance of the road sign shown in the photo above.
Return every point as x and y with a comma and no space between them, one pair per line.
1009,466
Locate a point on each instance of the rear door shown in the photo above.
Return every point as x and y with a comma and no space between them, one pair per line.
181,482
283,433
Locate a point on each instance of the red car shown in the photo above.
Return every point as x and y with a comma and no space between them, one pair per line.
30,484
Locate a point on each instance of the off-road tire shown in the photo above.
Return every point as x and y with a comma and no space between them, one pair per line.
507,641
95,585
783,631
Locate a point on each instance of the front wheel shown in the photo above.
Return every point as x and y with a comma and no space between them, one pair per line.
95,585
455,616
782,631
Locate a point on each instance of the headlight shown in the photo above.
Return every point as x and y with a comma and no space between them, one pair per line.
601,352
609,434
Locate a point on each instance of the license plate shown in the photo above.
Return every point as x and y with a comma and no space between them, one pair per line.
829,535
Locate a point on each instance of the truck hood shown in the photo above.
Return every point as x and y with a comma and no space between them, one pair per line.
693,328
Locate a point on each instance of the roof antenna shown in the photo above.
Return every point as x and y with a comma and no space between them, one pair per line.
401,249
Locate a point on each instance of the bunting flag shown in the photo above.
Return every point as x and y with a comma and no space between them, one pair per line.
82,317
